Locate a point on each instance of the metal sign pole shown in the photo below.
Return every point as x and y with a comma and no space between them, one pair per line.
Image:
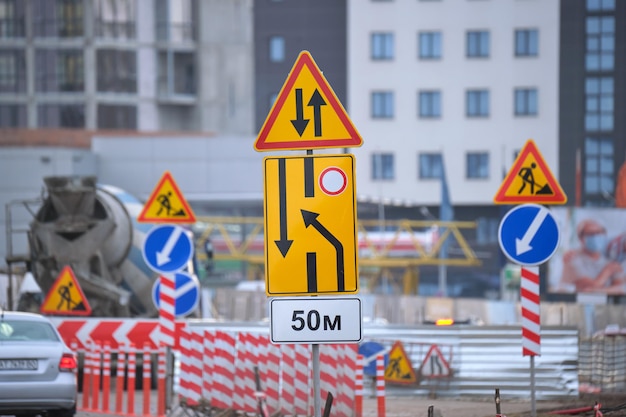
317,393
533,404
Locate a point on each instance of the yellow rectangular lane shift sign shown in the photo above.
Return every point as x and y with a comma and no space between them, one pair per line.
310,225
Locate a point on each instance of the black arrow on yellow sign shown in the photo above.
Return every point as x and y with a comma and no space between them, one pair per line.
300,123
284,243
316,101
310,219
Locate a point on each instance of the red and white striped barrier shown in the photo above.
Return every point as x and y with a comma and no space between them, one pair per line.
270,372
380,384
531,316
347,385
288,395
118,332
208,350
245,383
285,373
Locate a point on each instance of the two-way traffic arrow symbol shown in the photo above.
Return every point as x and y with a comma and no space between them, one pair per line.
300,123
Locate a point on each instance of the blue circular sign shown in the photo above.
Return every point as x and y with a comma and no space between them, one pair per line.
167,248
186,293
369,350
528,234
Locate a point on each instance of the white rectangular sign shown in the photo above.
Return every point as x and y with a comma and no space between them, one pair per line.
315,320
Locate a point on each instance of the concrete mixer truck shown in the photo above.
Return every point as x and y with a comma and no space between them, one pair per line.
93,229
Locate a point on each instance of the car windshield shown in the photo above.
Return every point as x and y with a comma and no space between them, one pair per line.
21,330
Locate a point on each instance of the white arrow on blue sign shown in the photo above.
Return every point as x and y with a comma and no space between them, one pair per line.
186,293
528,234
167,248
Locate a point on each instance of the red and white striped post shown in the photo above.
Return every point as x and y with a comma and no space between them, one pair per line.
380,384
358,400
531,323
119,383
147,382
96,362
132,374
161,388
167,309
86,376
106,377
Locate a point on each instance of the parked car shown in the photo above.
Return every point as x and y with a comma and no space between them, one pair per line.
37,368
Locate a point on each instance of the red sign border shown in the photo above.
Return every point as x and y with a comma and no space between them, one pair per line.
190,219
66,269
305,59
559,196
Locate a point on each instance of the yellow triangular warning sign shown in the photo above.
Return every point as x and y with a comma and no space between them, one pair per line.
530,181
66,297
307,114
166,204
399,370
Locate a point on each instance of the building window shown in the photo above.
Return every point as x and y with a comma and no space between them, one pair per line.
61,115
525,101
430,45
117,71
176,20
478,44
599,166
116,116
430,166
526,42
382,105
12,71
177,74
115,19
382,46
58,18
12,115
599,104
600,5
59,70
12,18
382,166
277,49
430,104
600,54
477,165
477,103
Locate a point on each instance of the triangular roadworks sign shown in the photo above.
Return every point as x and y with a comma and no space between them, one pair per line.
434,364
166,204
66,297
399,369
306,114
530,181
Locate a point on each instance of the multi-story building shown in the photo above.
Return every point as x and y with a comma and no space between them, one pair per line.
592,105
127,64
